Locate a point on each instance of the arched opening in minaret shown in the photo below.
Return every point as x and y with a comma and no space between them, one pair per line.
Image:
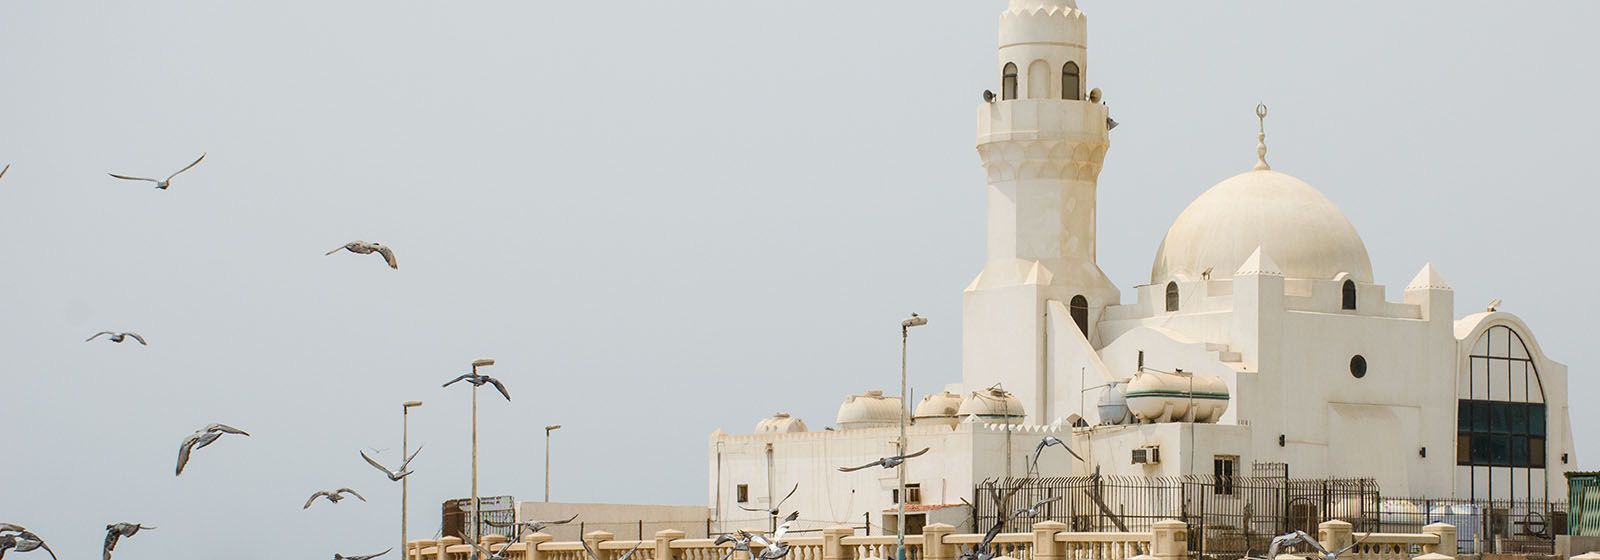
1349,294
1008,82
1080,314
1071,82
1172,296
1039,80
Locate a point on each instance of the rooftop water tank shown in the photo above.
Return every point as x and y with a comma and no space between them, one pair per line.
939,408
868,410
993,405
780,423
1158,397
1114,404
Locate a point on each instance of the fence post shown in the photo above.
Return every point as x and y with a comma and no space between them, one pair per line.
664,543
1447,539
594,539
1171,540
1045,546
441,552
933,545
1336,534
833,543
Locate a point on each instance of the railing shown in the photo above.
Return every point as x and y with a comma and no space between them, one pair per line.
1050,540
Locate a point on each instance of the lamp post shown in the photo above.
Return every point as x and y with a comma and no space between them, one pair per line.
405,483
486,362
547,430
900,470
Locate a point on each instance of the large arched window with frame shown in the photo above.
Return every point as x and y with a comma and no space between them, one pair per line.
1501,420
1008,82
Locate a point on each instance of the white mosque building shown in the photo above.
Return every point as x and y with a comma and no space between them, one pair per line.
1260,337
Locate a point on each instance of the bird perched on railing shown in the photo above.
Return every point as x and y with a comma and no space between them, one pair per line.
116,531
334,496
774,548
596,556
363,248
119,337
161,183
886,462
529,527
362,557
396,474
1047,442
478,380
740,540
202,438
773,511
1033,510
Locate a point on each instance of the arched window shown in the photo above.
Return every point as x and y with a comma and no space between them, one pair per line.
1501,421
1349,294
1008,82
1071,82
1039,80
1172,296
1080,313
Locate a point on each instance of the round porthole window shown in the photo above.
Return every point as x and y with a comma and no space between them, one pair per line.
1358,367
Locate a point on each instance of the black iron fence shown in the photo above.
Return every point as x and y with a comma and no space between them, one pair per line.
1234,516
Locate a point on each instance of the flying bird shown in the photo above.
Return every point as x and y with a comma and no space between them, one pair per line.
886,462
363,248
773,511
596,556
201,439
23,542
1002,499
116,531
526,527
774,548
740,540
162,183
3,171
1047,442
1033,510
478,380
364,557
396,474
334,496
984,550
119,337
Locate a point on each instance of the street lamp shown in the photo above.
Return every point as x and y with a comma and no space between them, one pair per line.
405,483
900,470
547,430
484,362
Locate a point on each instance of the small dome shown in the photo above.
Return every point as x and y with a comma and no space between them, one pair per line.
1298,228
939,408
993,403
780,423
868,410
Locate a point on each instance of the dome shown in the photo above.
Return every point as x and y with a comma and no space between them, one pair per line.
938,408
993,404
1294,225
869,410
780,423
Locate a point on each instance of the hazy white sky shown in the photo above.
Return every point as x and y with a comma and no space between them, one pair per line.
660,217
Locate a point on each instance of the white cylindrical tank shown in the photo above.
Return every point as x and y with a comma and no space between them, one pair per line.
1167,397
1113,404
869,410
780,423
993,405
939,408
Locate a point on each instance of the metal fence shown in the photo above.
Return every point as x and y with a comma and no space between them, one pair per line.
1584,494
1234,516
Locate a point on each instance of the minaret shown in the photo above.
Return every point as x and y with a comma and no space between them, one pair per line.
1042,137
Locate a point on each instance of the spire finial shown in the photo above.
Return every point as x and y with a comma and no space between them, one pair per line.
1261,138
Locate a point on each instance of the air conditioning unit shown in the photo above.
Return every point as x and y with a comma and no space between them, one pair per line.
1148,455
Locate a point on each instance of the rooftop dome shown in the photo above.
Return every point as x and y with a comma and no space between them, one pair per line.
780,423
1298,228
938,408
993,403
868,410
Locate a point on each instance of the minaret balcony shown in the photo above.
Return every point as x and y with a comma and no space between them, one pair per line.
1042,119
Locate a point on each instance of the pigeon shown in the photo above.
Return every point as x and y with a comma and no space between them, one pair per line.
119,338
773,511
163,183
116,531
365,557
1033,510
19,538
334,496
397,474
984,550
596,556
886,462
478,379
526,527
503,550
740,540
774,548
1047,442
201,439
363,248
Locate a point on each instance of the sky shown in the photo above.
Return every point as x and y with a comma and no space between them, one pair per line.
661,218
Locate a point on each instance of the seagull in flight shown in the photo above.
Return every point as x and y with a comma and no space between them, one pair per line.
161,183
334,496
886,462
984,549
478,379
740,540
363,248
773,511
365,557
119,337
774,548
1047,442
201,439
23,542
1301,537
116,531
526,527
396,474
1033,510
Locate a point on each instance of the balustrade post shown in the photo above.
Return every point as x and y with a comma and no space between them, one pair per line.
417,546
1171,540
1447,539
664,543
1437,556
594,538
933,545
532,541
833,543
442,552
1335,534
1045,546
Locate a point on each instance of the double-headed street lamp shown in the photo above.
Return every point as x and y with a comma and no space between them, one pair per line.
900,470
547,430
405,483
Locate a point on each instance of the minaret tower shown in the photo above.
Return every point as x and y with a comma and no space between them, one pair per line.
1042,137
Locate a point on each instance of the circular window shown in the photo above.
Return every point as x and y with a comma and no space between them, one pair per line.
1358,367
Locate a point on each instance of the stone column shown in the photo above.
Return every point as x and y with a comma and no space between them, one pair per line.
444,547
420,545
1447,539
532,541
1335,534
664,543
833,543
1171,540
594,538
933,545
1045,546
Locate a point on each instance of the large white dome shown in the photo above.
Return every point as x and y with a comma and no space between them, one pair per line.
1294,225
